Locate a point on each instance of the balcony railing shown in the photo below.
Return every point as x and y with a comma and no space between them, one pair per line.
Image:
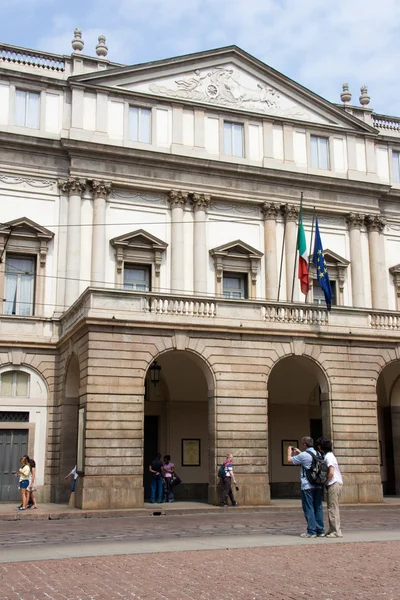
273,317
37,60
387,124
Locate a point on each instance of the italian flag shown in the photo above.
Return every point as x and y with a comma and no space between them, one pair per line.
303,263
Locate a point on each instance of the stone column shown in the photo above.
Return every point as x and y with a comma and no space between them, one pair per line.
377,261
270,212
291,213
201,203
62,244
355,222
76,187
101,191
177,201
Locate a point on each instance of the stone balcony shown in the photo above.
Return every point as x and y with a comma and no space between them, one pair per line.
220,314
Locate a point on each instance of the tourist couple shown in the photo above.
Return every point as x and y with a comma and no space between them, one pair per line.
161,479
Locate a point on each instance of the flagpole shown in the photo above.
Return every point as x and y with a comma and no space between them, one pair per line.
311,241
282,254
297,243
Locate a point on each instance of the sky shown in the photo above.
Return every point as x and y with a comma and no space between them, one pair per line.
318,43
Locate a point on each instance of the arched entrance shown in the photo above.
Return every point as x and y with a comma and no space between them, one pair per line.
297,407
69,427
177,422
388,391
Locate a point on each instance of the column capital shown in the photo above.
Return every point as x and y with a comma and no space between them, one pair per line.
200,201
72,186
101,188
177,198
270,210
355,220
290,211
375,223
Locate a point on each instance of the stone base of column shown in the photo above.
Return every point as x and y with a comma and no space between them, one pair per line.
253,491
364,489
99,493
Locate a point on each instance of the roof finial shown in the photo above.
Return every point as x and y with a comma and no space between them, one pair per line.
364,98
77,43
345,96
101,48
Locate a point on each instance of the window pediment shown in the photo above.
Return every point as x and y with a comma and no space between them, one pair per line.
139,239
138,247
25,228
236,248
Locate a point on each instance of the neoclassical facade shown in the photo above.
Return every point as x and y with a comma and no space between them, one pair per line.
148,257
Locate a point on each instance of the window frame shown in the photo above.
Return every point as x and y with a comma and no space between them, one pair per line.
328,148
20,256
14,374
395,166
28,93
321,298
140,108
244,287
137,267
23,237
243,140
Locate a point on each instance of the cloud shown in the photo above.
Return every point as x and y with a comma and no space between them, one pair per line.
319,44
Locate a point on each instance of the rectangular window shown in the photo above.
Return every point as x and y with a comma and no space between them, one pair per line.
396,167
137,278
235,285
27,109
319,152
19,285
233,139
318,294
140,124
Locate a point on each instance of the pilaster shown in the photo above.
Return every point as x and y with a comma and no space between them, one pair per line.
376,225
177,200
291,214
200,203
75,187
270,211
355,221
101,191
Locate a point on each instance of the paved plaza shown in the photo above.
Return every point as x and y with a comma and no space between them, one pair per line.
220,555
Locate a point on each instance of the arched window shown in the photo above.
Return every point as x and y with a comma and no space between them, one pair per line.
14,384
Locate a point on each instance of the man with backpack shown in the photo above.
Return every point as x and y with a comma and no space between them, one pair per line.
225,472
312,477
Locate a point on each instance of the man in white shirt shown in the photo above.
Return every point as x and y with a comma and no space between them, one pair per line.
334,485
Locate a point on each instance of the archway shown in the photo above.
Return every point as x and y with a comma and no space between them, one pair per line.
388,391
177,421
297,406
69,427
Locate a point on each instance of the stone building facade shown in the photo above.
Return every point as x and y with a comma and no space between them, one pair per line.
148,230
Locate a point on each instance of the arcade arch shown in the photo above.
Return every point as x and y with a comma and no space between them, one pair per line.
388,392
69,428
298,406
178,420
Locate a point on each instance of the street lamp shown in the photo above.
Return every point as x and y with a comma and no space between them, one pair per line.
155,373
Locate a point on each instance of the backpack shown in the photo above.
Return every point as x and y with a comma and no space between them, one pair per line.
221,471
317,473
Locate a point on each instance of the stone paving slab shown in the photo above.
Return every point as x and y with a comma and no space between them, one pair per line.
57,512
367,571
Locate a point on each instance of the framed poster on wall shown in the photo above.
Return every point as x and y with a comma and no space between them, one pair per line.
285,446
191,453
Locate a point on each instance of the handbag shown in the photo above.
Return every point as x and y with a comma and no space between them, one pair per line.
175,479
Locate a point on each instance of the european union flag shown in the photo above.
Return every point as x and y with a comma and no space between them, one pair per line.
322,270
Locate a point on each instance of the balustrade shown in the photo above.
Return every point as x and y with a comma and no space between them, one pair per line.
390,124
49,62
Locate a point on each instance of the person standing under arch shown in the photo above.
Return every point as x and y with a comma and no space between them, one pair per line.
333,486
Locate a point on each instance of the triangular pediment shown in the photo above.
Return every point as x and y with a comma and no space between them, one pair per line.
236,249
230,78
139,239
25,228
334,259
395,270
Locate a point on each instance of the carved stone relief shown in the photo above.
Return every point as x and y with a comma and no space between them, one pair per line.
28,182
136,198
226,85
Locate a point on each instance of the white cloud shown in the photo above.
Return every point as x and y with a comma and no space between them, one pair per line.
319,44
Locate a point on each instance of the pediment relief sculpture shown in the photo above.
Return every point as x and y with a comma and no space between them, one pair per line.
226,85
